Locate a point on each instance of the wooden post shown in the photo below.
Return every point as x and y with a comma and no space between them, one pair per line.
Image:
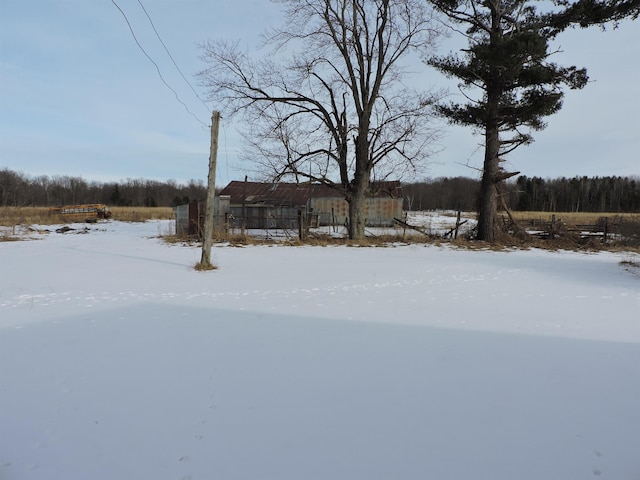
205,261
334,228
244,200
300,226
404,228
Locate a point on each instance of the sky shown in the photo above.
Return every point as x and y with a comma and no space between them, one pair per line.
78,97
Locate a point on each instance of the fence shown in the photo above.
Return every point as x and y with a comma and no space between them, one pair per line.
618,229
260,220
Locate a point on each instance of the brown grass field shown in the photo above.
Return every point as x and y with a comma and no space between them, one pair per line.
13,216
574,218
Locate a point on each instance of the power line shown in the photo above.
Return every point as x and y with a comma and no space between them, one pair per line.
156,65
171,57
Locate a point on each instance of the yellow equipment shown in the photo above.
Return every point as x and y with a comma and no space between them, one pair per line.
89,212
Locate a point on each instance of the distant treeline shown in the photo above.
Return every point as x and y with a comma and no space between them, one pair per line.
578,194
17,189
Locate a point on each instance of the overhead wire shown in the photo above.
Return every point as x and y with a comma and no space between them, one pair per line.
157,67
171,56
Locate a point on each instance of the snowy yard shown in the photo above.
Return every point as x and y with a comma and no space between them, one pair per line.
119,361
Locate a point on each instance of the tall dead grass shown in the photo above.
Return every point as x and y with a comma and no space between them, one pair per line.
14,216
141,214
574,218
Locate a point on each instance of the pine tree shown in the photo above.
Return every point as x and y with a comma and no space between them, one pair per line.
508,61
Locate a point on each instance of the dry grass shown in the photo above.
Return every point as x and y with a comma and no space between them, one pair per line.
201,267
573,218
141,214
568,240
624,230
13,216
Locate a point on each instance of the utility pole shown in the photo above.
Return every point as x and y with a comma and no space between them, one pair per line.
205,262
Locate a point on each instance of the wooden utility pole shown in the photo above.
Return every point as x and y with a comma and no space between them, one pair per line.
205,262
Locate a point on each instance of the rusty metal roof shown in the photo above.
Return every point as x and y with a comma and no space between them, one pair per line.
294,194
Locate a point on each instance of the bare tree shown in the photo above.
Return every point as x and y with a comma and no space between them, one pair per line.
329,103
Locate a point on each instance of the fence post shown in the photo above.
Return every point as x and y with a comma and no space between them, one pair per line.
244,207
333,221
300,225
404,227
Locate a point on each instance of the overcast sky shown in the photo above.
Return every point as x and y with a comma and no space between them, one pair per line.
79,98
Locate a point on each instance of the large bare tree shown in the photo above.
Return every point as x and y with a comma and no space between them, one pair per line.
330,102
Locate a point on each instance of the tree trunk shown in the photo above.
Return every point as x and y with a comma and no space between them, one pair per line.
488,201
357,214
359,190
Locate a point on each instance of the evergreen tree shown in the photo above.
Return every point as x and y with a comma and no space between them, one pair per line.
508,62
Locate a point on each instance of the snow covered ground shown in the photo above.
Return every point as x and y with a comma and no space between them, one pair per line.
119,361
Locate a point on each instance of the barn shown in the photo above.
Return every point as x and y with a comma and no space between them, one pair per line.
278,205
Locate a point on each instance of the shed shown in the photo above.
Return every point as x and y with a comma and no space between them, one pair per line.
277,205
190,217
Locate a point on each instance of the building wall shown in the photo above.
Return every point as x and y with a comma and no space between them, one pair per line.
190,217
265,217
379,212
